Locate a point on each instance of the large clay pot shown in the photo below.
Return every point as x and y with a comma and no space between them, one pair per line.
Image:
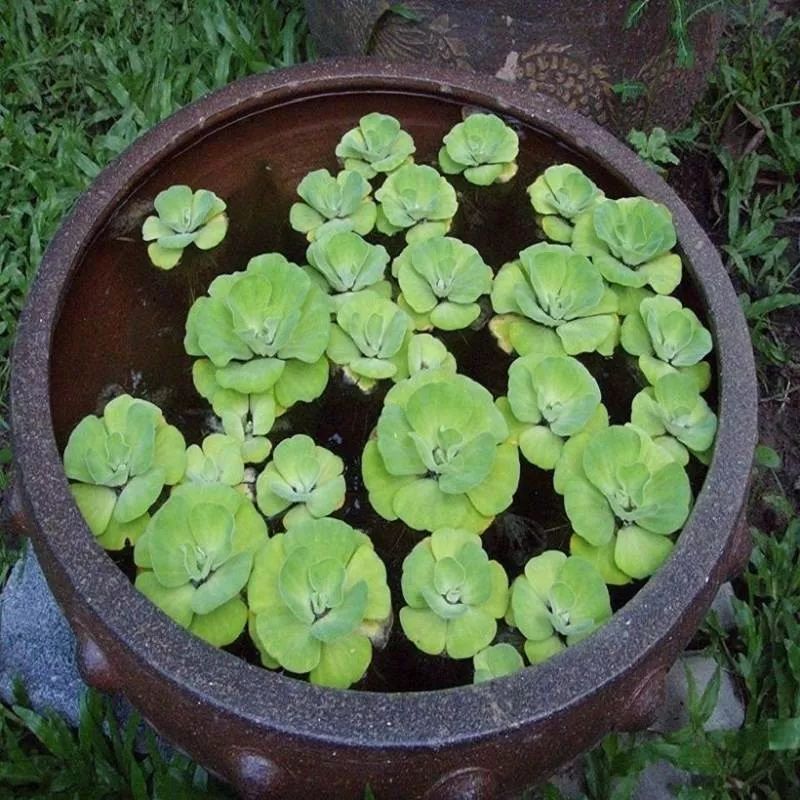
575,50
98,316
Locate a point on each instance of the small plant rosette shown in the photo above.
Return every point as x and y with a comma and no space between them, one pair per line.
553,301
440,455
302,481
427,352
118,466
377,145
482,148
630,241
674,413
218,459
454,594
182,218
195,558
369,339
549,400
496,661
667,338
261,335
625,496
441,282
418,201
557,602
344,264
558,196
319,601
332,204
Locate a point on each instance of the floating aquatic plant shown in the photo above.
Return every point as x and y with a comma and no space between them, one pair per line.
182,218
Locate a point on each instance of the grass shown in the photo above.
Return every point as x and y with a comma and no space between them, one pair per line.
8,556
80,81
44,758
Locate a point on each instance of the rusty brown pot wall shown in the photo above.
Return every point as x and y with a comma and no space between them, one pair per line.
274,736
574,50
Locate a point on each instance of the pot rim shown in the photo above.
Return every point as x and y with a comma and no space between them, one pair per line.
72,558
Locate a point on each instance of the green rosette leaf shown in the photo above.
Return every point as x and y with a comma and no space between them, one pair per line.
319,600
302,478
369,338
553,287
630,242
119,464
218,459
441,280
263,334
673,406
454,594
635,229
558,602
182,218
197,554
560,195
333,204
496,661
418,200
376,145
482,148
564,191
427,352
346,262
667,338
621,486
550,399
439,456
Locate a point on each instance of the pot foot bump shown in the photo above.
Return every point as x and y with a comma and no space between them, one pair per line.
94,666
741,546
642,709
472,783
14,522
256,777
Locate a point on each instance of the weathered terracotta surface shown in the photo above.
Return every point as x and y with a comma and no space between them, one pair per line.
274,736
574,50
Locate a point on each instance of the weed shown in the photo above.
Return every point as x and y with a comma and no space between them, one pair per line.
8,557
44,758
683,13
628,91
751,124
758,761
653,148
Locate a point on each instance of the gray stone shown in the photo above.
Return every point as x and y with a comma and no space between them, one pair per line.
728,714
723,607
37,648
660,781
37,645
570,780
